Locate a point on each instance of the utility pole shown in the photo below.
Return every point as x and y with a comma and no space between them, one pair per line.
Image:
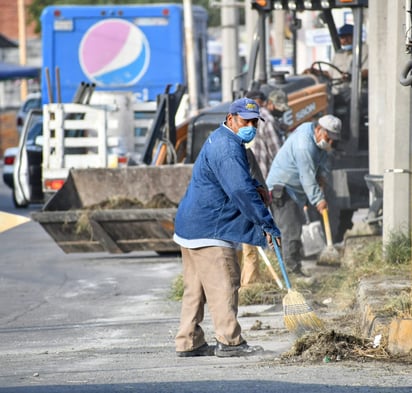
397,171
190,57
251,19
230,46
21,16
279,30
390,114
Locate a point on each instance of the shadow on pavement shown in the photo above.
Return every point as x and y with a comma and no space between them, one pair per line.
241,386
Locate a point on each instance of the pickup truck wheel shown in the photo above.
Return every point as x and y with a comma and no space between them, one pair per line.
17,204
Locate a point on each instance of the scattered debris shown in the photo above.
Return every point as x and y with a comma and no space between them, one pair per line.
329,346
377,340
158,201
258,325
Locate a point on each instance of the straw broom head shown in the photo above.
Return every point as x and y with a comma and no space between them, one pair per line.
329,257
298,315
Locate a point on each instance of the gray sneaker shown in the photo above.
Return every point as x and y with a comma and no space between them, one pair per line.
225,351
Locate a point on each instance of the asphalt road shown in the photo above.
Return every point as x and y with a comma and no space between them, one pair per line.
104,323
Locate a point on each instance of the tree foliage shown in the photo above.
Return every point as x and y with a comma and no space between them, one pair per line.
36,8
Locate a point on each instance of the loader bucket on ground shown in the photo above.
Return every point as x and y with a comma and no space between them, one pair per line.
100,210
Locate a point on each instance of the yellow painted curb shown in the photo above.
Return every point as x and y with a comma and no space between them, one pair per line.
400,336
8,221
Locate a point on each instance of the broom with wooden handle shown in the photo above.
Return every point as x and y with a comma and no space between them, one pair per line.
270,267
298,316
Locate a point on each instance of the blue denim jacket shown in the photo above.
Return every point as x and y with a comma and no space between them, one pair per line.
221,201
297,165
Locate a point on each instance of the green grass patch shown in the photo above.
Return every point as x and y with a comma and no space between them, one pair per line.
176,292
398,248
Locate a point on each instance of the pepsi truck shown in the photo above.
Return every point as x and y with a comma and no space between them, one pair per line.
137,48
113,76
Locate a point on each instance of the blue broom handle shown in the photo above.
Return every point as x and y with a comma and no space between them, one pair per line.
281,263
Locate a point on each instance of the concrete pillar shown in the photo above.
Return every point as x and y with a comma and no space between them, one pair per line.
230,45
251,18
190,57
397,125
279,34
377,44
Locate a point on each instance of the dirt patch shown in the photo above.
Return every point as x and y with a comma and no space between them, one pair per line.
332,346
158,201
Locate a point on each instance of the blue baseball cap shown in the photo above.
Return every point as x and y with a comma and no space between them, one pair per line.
246,108
346,29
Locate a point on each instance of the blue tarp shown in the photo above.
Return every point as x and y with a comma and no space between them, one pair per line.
17,71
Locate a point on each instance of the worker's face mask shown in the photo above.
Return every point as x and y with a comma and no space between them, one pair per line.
322,144
346,47
277,113
247,133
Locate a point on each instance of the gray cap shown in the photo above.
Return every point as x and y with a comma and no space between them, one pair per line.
279,99
332,125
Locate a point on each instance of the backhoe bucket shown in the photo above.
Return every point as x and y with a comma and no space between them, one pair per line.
116,210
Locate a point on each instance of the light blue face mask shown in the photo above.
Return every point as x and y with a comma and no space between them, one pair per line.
346,47
247,133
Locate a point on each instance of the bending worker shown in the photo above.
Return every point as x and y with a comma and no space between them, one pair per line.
298,174
222,207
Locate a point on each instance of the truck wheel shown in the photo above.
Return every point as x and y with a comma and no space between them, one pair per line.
17,204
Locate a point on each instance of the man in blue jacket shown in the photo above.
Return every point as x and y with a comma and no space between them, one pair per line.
222,208
297,176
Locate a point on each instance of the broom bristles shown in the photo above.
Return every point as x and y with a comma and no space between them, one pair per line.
329,256
298,315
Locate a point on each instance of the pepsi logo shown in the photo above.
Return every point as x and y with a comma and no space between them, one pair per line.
114,53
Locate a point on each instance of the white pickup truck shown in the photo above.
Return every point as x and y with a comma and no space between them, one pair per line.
109,132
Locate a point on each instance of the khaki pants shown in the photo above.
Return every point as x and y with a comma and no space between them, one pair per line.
212,275
250,265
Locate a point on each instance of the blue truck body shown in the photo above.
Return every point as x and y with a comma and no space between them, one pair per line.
138,48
